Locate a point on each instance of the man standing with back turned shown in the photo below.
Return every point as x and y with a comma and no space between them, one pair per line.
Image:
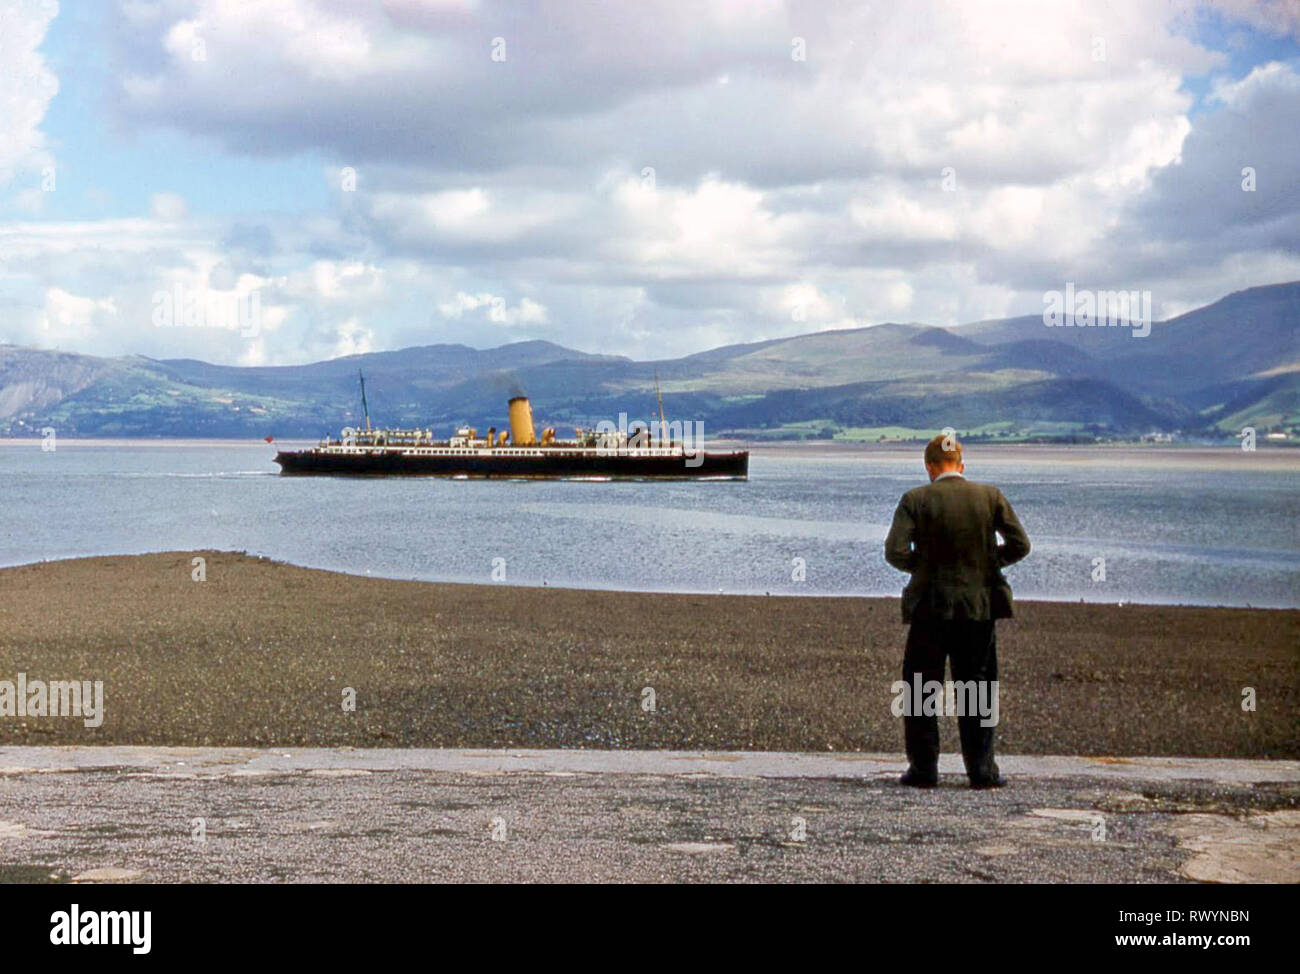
945,534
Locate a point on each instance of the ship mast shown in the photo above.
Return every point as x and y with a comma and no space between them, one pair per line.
364,407
663,423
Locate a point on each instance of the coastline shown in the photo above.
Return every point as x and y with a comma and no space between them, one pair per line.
259,653
1268,457
595,588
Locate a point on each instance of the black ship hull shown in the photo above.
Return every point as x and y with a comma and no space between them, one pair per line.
557,464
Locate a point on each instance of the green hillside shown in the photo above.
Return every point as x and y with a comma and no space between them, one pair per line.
1208,373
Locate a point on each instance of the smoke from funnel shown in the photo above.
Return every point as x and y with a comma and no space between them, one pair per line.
508,383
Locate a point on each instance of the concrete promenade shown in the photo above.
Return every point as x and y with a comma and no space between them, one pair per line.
154,814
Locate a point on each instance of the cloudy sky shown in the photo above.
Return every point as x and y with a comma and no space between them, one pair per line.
642,178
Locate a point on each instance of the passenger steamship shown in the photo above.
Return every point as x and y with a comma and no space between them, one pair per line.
516,452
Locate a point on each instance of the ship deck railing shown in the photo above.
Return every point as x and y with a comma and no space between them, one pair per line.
509,451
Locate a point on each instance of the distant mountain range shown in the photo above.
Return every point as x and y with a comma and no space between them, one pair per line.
1207,373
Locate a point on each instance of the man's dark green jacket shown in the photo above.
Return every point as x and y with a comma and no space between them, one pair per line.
945,535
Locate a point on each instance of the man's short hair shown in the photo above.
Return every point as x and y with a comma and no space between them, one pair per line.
943,450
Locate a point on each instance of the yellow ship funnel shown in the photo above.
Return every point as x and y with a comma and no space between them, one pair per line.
502,437
521,422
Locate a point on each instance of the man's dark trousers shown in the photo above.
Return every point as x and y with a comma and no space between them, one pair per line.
972,647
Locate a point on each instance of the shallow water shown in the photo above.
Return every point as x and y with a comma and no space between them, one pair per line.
1215,528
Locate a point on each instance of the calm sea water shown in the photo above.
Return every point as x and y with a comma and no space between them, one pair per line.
1208,528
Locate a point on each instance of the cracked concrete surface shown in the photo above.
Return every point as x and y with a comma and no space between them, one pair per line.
123,814
1259,848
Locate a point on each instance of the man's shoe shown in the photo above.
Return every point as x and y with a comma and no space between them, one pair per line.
913,779
981,784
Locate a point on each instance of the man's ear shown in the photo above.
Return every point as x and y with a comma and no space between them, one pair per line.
961,467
